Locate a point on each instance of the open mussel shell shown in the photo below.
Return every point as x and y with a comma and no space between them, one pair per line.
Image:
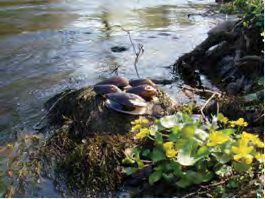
126,99
138,82
108,88
120,82
126,109
145,91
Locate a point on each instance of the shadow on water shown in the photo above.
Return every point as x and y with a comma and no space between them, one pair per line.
50,45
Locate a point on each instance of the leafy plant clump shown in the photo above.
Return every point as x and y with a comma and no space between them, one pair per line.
183,150
252,11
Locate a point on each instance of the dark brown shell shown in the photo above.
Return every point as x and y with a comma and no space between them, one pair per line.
104,89
127,109
126,99
138,82
117,81
145,91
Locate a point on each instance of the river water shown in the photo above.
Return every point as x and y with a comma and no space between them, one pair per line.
47,46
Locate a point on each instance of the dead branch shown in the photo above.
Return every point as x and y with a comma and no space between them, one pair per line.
138,53
207,102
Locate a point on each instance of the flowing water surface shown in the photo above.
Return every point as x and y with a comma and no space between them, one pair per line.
47,46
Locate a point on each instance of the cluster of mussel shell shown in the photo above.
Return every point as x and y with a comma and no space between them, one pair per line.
127,96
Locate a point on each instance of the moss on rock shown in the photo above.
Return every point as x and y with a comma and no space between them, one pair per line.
87,144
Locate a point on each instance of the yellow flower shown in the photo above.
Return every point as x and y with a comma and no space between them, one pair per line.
170,152
217,138
253,138
243,151
136,127
259,143
222,118
143,133
260,157
239,122
139,123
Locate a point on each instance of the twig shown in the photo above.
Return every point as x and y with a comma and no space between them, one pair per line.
200,90
214,184
194,193
140,49
207,102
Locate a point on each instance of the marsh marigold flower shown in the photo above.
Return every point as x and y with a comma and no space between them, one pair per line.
239,122
242,151
139,123
253,138
217,138
170,151
223,119
143,133
260,157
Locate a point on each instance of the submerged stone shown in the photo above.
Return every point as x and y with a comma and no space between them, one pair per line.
118,49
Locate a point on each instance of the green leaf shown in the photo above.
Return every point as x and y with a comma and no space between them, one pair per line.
154,177
128,160
146,152
180,143
240,167
194,177
153,130
187,118
139,163
227,131
158,155
173,137
176,167
203,151
169,121
233,183
158,168
184,155
207,176
187,131
222,157
168,177
175,130
183,182
159,139
201,134
130,170
220,116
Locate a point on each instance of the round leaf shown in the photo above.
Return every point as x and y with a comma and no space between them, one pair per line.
154,177
169,121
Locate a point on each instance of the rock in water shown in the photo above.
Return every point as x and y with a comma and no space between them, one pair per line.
118,49
225,26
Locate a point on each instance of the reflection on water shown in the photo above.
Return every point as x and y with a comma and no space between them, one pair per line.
49,45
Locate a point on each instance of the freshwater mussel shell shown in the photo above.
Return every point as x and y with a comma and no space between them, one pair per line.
145,91
126,109
120,82
127,99
106,88
138,82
